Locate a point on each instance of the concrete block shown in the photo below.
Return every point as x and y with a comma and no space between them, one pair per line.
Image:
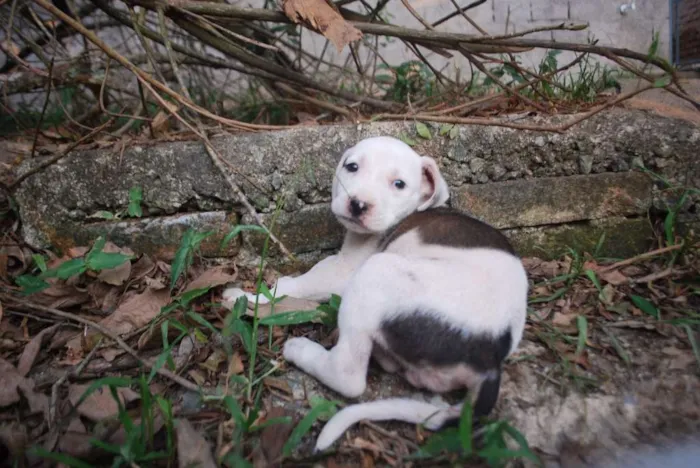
556,200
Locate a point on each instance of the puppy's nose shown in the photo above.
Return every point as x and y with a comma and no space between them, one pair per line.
357,207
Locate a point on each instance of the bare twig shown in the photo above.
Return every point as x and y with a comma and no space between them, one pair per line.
74,371
147,363
640,257
43,109
143,76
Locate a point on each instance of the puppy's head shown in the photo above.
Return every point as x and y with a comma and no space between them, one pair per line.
380,181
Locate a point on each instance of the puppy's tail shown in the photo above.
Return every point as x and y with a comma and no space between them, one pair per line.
433,417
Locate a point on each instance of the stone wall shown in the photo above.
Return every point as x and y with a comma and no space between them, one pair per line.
547,191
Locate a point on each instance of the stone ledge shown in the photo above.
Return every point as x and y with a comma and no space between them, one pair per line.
159,237
510,178
556,200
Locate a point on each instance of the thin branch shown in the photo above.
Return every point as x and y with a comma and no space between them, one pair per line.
146,78
147,363
644,256
43,109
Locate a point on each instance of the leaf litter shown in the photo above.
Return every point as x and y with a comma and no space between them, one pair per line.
591,328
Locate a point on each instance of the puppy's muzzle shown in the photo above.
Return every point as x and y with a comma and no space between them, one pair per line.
358,207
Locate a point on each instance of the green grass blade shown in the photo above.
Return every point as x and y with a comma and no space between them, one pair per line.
305,425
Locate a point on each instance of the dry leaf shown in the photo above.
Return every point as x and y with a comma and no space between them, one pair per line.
38,402
76,441
274,436
31,350
278,384
116,276
75,252
614,277
110,354
197,376
144,266
136,311
99,404
319,16
10,383
16,260
563,320
214,360
192,448
14,438
61,295
235,365
104,296
133,313
212,277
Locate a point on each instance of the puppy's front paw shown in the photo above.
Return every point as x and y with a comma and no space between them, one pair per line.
230,296
300,351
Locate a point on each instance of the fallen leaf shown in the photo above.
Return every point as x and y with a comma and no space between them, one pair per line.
319,16
104,296
31,350
235,365
10,384
110,354
563,320
614,277
608,294
214,360
197,376
192,448
116,276
184,351
38,402
61,295
144,266
155,283
278,384
133,313
99,404
76,441
14,439
16,260
212,277
76,252
273,437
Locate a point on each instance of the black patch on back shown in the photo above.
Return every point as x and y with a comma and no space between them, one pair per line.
450,228
422,337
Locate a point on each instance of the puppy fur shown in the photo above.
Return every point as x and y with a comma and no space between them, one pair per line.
428,292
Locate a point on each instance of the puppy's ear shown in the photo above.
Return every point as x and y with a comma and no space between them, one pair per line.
434,190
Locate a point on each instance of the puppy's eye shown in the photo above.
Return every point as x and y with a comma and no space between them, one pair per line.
399,184
351,167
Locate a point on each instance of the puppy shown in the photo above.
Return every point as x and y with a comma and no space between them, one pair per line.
430,293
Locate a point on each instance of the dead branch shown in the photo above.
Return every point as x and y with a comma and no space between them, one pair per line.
147,363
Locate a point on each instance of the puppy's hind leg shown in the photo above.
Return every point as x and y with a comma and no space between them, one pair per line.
342,368
368,296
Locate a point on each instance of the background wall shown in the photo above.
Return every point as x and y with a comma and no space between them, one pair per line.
633,30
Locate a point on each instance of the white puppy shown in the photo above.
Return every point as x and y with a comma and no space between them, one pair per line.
428,292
